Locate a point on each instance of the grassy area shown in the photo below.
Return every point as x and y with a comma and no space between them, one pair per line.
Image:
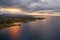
7,22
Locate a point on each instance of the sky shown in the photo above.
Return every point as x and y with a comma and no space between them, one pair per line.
32,5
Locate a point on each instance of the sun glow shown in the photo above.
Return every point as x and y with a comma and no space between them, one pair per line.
45,13
34,13
11,10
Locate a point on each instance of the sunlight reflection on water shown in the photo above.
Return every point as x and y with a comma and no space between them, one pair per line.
46,29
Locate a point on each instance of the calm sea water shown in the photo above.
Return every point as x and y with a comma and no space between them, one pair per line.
46,29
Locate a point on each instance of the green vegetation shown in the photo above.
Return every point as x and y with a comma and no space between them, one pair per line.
7,22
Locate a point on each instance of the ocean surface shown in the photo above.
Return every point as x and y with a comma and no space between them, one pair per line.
45,29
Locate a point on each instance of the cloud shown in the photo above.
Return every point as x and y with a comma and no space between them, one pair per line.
4,3
32,5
